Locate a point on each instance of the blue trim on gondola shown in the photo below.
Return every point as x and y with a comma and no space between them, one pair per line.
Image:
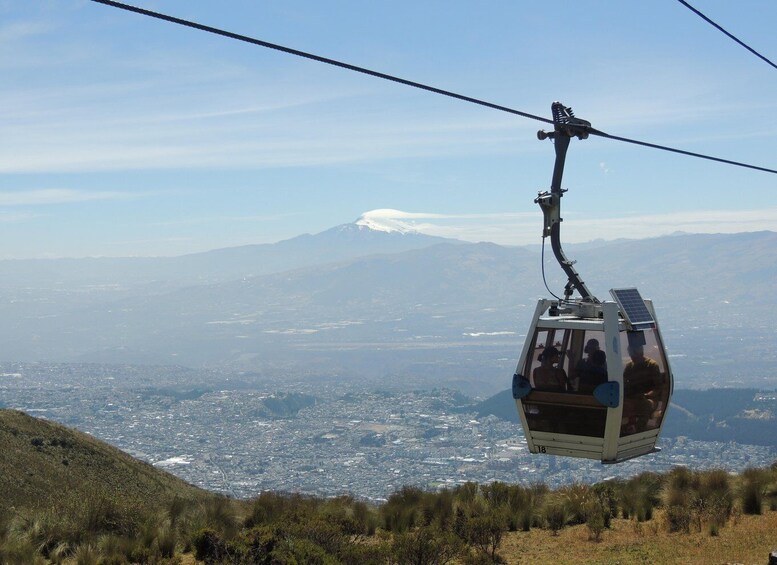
608,394
521,386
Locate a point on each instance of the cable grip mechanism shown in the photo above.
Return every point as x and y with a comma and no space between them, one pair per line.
566,126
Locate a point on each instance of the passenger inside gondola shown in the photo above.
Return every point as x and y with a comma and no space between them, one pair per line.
594,372
641,383
548,376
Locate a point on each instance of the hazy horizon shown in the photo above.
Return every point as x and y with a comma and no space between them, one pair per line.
427,227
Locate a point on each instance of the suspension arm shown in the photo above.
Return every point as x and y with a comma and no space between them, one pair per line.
566,126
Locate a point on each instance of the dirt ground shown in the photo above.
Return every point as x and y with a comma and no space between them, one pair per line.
747,540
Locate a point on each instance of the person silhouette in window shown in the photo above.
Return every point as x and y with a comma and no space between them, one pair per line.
548,376
593,372
641,381
590,372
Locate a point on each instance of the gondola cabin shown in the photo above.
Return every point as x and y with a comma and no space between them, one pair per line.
593,379
594,383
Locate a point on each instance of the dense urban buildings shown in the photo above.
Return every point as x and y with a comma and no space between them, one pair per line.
241,435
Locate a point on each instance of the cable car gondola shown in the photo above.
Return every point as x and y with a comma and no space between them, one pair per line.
593,379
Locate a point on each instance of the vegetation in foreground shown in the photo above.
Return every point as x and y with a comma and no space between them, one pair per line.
103,518
471,524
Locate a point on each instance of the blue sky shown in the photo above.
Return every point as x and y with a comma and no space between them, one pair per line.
123,135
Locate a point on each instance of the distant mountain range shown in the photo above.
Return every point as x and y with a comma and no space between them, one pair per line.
341,243
360,302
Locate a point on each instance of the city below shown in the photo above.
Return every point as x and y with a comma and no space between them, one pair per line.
243,434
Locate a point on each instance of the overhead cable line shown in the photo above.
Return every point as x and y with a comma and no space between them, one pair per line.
318,58
709,21
406,82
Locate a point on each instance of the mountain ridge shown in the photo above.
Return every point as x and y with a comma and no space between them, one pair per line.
453,300
339,243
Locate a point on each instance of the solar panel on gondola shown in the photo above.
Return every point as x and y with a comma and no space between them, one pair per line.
593,379
633,308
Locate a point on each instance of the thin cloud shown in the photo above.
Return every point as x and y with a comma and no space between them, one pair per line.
497,227
16,217
18,31
649,225
238,136
48,196
526,228
198,121
226,219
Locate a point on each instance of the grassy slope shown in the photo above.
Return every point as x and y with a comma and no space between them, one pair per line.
749,539
46,464
35,475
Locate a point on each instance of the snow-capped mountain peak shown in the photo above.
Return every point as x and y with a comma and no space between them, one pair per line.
390,221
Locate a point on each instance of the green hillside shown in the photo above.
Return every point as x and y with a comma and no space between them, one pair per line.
48,465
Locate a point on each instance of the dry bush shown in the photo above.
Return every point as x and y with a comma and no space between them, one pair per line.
595,519
752,490
555,515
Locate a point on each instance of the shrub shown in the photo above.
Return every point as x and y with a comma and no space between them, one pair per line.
325,534
716,491
255,545
526,518
116,550
717,501
401,511
166,540
678,519
438,509
520,508
364,518
606,494
374,553
86,555
681,484
496,494
555,516
175,509
339,512
752,490
638,496
209,546
595,519
300,551
425,546
48,530
713,528
14,551
485,531
467,492
220,513
576,498
265,508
